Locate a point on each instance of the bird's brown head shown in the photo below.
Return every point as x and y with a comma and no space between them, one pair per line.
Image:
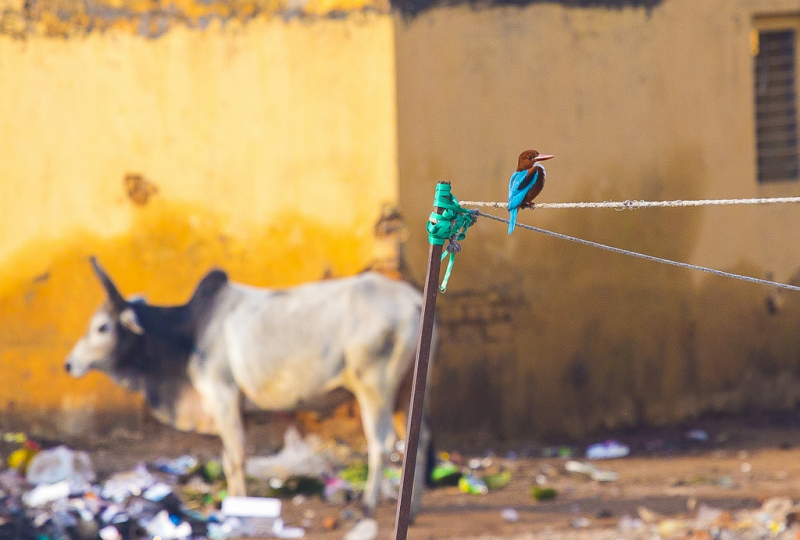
529,158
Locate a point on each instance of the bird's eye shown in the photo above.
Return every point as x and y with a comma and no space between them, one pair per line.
103,328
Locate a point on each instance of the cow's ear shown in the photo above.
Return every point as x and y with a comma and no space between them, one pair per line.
130,320
111,290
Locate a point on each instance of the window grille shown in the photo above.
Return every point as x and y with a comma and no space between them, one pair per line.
776,106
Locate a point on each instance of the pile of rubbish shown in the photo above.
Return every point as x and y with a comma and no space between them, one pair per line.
54,494
778,517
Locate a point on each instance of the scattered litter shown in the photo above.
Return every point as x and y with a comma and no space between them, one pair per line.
163,527
21,457
390,484
179,466
607,450
337,491
591,471
12,482
707,517
330,523
109,533
446,473
122,485
746,467
647,515
355,475
212,471
580,523
46,493
699,435
157,492
305,485
727,482
170,499
497,480
281,531
543,493
628,523
366,529
348,514
60,464
671,527
563,452
510,515
262,507
15,437
473,485
298,456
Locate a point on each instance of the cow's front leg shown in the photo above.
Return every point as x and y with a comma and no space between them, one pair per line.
222,403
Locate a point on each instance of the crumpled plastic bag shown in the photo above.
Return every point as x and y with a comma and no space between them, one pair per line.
60,464
124,484
298,457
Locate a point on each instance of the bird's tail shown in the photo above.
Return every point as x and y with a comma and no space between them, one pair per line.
512,219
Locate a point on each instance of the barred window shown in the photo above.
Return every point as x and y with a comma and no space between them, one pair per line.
776,106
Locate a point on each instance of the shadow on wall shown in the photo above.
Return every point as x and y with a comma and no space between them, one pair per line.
563,339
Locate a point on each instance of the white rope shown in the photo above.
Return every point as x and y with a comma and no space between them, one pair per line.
646,257
634,205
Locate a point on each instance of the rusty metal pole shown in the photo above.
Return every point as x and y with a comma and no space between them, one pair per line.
418,389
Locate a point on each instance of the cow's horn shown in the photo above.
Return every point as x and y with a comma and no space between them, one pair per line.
111,290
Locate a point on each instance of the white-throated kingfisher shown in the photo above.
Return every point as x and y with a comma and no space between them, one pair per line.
525,184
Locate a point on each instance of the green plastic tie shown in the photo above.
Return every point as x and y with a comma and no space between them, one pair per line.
450,225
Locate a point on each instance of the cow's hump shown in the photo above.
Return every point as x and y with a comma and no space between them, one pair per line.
206,291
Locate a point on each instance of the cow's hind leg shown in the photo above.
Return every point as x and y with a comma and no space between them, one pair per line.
376,418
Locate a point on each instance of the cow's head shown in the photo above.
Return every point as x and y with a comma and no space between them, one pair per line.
114,331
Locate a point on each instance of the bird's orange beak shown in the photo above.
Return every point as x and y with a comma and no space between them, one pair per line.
543,157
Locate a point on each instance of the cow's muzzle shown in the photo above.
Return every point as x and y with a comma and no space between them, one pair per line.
73,368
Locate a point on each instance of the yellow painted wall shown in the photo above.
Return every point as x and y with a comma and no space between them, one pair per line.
542,336
269,146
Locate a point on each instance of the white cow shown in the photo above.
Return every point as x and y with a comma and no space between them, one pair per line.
280,349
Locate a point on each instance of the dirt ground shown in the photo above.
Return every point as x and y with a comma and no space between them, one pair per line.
745,461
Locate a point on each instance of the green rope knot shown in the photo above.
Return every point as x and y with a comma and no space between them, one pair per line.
450,225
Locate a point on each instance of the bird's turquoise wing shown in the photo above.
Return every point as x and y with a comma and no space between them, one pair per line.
518,188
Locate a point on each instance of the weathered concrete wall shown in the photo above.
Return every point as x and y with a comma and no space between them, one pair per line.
261,145
542,336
